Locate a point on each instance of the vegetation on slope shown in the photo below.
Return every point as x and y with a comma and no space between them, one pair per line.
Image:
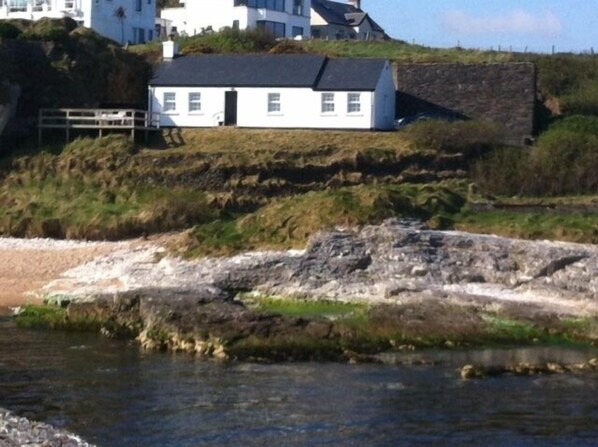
79,68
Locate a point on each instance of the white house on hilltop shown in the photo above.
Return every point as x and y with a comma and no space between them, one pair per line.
272,91
121,20
335,20
283,18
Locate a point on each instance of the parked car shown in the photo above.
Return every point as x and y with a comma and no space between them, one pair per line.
428,116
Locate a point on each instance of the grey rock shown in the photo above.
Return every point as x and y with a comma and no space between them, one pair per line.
17,431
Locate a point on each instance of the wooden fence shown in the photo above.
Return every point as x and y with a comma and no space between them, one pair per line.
103,120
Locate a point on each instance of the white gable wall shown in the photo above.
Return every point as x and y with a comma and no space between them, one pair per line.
384,100
300,108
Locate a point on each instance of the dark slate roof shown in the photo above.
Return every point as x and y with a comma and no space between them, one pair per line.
342,14
270,70
351,74
255,70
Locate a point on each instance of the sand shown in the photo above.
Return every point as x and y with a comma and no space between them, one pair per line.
28,264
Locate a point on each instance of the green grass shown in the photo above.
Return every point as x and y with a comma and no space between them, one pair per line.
289,222
41,317
572,227
312,309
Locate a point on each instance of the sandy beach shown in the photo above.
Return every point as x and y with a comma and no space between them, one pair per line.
28,264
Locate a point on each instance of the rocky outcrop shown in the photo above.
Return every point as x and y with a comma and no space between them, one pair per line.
527,369
392,263
424,287
17,431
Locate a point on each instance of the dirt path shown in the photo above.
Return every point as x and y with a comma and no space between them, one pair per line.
27,265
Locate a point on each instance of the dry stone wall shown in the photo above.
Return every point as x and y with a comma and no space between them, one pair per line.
502,92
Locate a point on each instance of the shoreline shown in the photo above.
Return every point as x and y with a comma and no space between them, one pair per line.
348,295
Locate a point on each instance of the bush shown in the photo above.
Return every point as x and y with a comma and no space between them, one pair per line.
503,171
229,40
288,47
562,162
8,30
47,29
466,137
583,101
565,162
578,124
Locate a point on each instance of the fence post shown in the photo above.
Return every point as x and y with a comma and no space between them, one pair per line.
67,125
39,128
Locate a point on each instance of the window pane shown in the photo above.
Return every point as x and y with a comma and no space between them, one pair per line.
273,102
353,103
327,102
194,102
169,103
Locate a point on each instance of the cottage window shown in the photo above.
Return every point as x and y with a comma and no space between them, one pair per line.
169,103
274,102
353,103
195,102
327,102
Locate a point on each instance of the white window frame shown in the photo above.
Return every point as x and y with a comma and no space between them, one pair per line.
194,102
354,103
327,104
274,104
169,102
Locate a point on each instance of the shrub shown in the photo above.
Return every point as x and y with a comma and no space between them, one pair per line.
8,30
583,101
502,171
463,136
577,123
47,29
562,162
288,47
229,40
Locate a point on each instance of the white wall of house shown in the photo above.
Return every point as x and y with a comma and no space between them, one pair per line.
299,108
197,15
137,26
385,100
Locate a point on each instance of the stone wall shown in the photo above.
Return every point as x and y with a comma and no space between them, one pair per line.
502,92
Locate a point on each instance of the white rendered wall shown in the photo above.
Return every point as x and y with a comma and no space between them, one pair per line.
385,100
300,108
105,23
212,107
201,14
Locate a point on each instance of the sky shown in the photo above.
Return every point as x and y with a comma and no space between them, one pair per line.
569,25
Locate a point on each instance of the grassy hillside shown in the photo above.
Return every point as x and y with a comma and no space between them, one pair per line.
236,189
240,188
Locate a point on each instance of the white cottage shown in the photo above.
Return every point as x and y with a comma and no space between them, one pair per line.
121,20
273,91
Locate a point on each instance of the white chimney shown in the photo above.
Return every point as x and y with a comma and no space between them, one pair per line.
169,49
355,3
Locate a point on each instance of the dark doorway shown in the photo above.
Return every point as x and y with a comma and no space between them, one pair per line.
230,108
